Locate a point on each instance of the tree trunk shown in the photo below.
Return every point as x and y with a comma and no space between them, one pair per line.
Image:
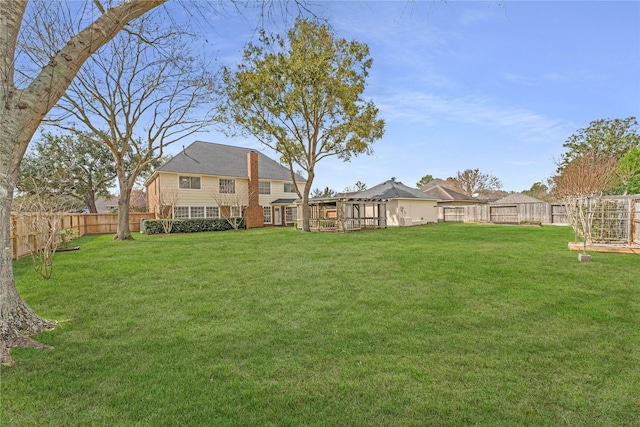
21,111
91,205
306,226
90,195
124,231
305,203
90,202
17,320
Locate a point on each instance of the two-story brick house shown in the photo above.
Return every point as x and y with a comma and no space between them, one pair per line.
208,180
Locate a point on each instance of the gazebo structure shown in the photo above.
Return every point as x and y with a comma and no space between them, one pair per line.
345,213
386,204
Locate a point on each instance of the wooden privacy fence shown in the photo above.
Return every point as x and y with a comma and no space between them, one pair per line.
615,219
81,224
636,221
544,213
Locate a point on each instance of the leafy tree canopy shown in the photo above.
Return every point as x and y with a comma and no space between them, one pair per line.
628,170
318,193
611,137
68,165
301,95
424,181
358,186
540,191
613,141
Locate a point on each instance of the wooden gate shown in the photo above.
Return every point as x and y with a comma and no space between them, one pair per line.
504,214
559,215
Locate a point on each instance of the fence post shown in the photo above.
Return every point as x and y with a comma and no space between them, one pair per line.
631,219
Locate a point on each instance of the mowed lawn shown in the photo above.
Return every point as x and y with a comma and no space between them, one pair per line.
444,325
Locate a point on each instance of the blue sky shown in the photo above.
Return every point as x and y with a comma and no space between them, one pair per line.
497,86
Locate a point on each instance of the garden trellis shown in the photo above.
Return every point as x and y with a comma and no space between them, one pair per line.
606,220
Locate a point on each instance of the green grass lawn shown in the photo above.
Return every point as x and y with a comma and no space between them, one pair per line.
447,325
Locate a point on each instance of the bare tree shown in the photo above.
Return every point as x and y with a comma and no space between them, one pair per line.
137,201
23,107
42,218
473,182
140,84
164,208
578,181
232,205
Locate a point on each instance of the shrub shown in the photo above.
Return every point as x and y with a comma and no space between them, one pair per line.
194,225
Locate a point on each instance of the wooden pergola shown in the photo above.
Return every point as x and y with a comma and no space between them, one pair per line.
342,214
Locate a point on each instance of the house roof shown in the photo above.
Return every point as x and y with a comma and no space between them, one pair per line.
447,194
283,201
516,198
433,183
208,158
392,190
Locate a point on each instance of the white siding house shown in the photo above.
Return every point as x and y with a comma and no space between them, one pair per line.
207,180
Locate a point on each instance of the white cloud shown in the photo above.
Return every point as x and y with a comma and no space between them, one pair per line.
476,110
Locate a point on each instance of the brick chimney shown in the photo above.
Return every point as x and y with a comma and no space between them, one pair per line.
253,215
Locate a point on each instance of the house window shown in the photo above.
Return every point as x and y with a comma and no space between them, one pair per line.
236,211
189,182
289,187
266,213
197,211
289,214
227,186
213,212
264,187
181,212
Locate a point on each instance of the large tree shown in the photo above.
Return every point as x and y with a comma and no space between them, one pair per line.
68,165
139,94
628,171
23,108
604,139
539,190
301,95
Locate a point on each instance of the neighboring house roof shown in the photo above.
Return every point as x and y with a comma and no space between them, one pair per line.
433,183
392,190
105,205
516,198
447,194
207,158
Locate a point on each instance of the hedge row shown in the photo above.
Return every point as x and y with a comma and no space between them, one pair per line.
195,225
